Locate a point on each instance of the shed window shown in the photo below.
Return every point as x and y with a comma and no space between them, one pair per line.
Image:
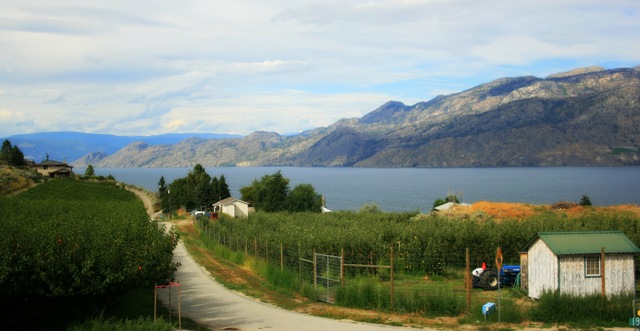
592,265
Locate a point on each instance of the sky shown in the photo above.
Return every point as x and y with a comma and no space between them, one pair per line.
142,67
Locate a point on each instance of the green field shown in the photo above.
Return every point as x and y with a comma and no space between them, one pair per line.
85,246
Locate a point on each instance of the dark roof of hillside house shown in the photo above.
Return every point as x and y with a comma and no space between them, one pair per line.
585,242
54,163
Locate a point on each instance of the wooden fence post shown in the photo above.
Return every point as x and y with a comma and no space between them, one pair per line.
467,280
281,258
342,266
391,274
300,264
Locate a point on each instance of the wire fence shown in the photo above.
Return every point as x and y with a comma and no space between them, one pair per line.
397,275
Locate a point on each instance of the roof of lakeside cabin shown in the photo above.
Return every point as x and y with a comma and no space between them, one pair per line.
585,242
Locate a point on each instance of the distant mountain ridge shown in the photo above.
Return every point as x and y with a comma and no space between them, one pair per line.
584,117
70,146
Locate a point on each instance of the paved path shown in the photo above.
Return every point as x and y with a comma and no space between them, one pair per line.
209,303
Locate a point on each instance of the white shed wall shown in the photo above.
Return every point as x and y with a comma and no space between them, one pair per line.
236,209
619,276
543,269
573,280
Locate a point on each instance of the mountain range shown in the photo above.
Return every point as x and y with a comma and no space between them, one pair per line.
70,146
584,117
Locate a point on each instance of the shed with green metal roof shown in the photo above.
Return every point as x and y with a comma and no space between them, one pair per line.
579,263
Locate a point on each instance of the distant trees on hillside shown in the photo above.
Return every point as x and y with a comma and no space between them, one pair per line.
196,191
11,155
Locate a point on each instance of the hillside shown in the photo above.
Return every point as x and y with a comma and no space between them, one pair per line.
14,179
585,117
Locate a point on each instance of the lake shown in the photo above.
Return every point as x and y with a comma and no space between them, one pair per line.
410,189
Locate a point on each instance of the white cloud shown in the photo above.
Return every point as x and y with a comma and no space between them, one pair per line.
146,67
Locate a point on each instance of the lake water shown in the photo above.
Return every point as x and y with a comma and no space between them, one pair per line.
409,189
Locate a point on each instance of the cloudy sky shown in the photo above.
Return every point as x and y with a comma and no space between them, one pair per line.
139,67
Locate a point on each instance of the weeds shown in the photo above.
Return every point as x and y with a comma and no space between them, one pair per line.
582,311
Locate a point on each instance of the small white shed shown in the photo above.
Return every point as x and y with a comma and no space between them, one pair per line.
579,263
232,206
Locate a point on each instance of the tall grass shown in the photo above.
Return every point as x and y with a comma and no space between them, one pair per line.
370,293
283,279
222,251
589,310
510,312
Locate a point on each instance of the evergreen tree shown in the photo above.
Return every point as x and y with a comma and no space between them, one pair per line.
5,152
162,185
215,188
163,195
17,158
199,186
89,172
11,155
223,188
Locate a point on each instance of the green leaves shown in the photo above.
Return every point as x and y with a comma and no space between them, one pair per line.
272,194
67,238
197,190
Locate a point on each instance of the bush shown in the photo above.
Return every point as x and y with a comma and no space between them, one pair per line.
585,201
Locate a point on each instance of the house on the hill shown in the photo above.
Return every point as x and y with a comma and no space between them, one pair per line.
54,169
232,206
579,263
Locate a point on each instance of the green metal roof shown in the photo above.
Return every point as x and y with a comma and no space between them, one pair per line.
586,242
